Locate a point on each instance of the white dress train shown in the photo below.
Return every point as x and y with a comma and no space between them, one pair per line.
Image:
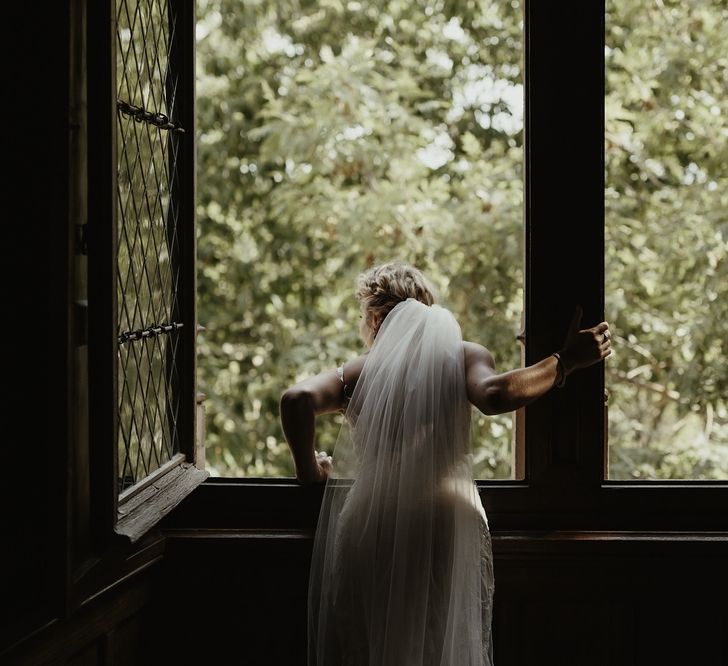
402,566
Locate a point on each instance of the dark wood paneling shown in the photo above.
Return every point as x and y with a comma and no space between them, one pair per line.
113,629
257,616
624,608
128,641
36,360
582,600
566,599
91,655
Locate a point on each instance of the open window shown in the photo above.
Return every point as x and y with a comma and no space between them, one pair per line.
563,484
141,262
333,137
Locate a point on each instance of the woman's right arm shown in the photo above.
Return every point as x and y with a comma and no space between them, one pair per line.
496,393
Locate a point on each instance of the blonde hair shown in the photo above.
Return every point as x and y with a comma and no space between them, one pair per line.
381,287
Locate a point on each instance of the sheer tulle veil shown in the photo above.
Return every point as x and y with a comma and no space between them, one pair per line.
398,559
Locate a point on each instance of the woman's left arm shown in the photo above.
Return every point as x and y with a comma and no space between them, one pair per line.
299,406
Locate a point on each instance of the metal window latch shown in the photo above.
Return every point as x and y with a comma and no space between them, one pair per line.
81,239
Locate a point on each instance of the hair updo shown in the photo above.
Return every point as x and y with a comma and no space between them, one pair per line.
381,287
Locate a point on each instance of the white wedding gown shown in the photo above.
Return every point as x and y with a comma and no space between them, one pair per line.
402,566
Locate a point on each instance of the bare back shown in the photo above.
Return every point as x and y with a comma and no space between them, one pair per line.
479,365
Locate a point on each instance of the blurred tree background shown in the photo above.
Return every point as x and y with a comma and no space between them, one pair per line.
337,135
667,238
334,136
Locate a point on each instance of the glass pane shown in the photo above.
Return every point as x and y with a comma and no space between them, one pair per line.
333,138
148,269
667,238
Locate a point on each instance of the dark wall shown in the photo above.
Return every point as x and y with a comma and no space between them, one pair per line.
118,627
35,156
560,599
50,612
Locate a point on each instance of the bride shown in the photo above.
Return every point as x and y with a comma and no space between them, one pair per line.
402,568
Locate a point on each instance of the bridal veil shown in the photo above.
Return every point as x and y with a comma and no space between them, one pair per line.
401,573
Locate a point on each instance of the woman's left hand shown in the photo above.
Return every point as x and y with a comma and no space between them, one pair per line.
321,471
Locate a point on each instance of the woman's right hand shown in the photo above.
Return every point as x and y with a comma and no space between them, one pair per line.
585,346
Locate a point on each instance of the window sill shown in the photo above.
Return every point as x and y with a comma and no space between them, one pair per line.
139,512
609,542
507,545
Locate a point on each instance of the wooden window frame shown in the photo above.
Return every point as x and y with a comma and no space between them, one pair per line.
566,430
129,515
564,486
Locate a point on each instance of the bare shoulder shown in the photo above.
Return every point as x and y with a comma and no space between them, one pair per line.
476,354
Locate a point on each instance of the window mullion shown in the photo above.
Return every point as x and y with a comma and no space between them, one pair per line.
564,211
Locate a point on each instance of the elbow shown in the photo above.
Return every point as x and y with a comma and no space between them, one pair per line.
493,398
295,399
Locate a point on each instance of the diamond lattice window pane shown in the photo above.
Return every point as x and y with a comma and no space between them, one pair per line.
148,245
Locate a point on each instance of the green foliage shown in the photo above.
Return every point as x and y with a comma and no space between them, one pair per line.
337,135
667,238
334,136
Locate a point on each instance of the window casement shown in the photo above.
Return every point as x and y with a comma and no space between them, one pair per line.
141,263
563,435
566,432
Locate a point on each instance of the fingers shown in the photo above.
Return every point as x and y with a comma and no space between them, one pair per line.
324,459
605,335
603,339
602,334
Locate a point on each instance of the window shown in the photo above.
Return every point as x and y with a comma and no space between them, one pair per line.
564,484
667,240
333,138
141,253
148,287
566,454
